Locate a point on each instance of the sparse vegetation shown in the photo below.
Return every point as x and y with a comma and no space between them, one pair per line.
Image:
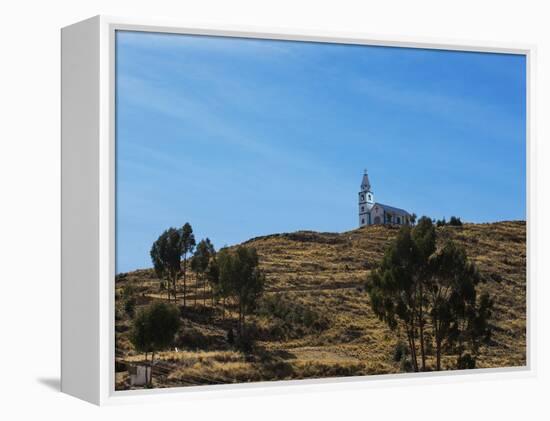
323,273
454,222
291,318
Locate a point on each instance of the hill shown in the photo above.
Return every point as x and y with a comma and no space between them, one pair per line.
315,319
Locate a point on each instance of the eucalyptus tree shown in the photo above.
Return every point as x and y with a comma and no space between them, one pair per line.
200,261
393,290
415,283
187,246
166,254
460,321
241,277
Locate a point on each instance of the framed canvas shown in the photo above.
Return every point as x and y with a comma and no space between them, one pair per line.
225,217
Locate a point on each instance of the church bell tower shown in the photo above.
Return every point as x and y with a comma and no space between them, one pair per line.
366,201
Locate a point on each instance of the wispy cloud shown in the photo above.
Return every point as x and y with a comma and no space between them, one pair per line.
205,117
174,44
455,109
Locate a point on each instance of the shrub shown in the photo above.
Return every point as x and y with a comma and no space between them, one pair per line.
406,365
245,341
279,370
455,221
428,343
400,351
128,291
120,277
130,306
465,362
366,264
496,277
119,314
230,336
291,317
192,338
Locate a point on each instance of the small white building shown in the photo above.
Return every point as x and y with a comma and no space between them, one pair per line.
139,374
373,213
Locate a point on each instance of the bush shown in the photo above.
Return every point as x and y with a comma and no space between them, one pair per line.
455,221
128,291
230,336
120,277
465,362
406,365
428,343
192,338
496,277
245,341
400,351
119,314
291,317
130,306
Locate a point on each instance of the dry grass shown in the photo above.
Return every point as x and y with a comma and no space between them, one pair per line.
325,272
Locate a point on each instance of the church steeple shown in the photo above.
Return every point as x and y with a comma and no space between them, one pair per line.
366,201
365,184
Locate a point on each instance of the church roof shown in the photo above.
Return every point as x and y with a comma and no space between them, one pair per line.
388,208
365,184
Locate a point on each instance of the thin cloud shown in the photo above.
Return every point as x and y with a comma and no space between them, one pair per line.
203,116
459,110
224,45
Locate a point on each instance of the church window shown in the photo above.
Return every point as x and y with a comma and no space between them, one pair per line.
362,221
362,208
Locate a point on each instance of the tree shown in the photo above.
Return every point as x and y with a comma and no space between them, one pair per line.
414,282
413,218
213,278
459,320
166,254
424,240
240,276
397,288
479,330
199,264
392,289
187,246
154,328
221,275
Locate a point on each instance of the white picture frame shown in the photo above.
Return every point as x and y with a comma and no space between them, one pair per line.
88,203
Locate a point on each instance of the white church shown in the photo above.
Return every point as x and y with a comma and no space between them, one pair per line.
371,213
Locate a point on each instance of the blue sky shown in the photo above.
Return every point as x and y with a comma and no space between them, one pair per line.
245,137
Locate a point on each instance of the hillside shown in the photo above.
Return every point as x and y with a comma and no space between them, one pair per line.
318,278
